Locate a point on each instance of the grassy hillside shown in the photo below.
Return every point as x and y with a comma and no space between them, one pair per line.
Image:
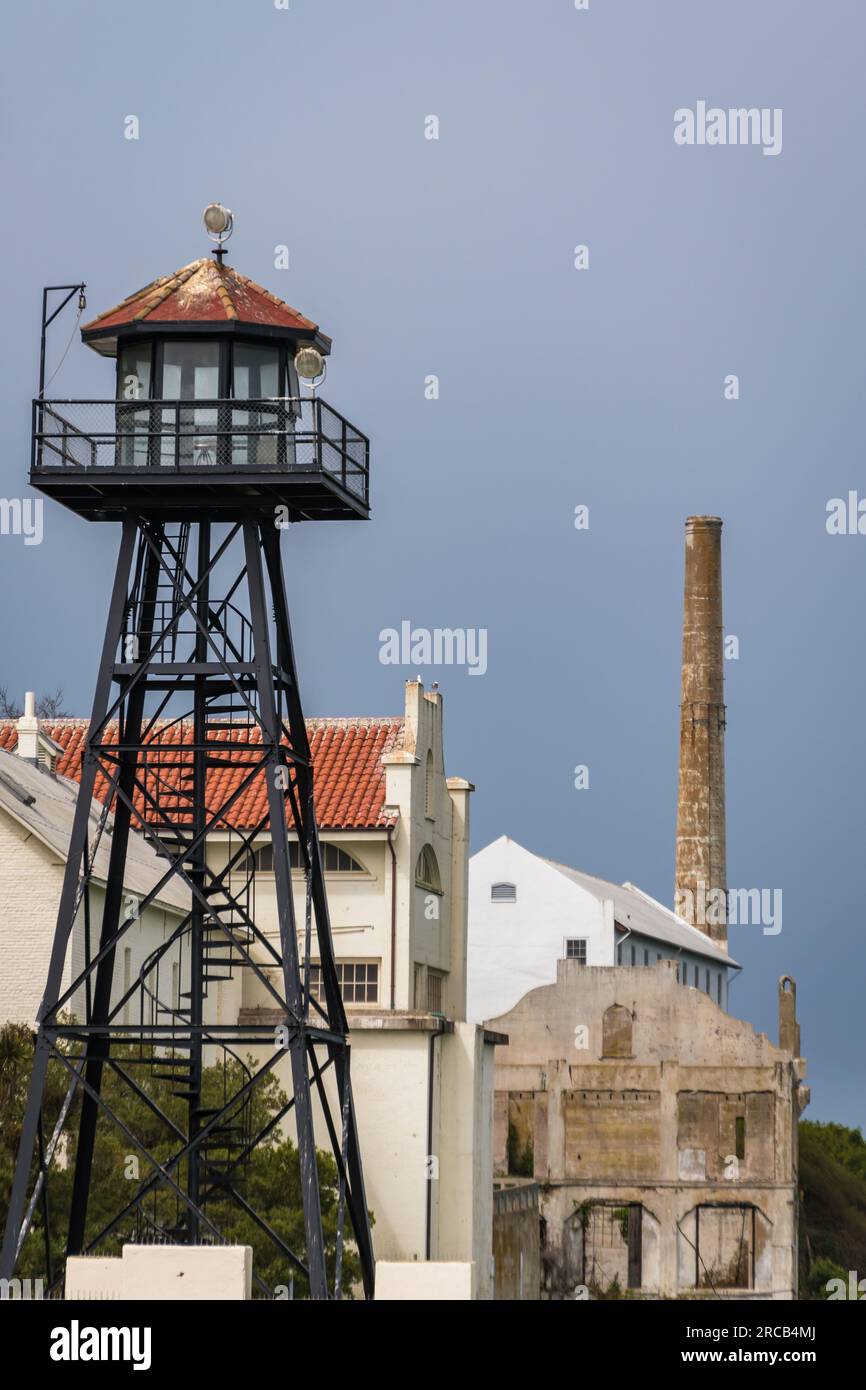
832,1205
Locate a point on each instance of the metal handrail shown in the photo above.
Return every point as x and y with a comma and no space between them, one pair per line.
309,436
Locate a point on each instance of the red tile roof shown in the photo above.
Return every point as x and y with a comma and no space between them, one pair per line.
348,775
202,292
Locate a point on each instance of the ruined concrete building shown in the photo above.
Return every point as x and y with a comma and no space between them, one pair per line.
660,1131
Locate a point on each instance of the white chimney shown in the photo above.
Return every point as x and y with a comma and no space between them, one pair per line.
28,730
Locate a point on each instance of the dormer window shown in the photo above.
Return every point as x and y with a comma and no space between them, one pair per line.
503,892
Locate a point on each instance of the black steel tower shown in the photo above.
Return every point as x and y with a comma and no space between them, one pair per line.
207,452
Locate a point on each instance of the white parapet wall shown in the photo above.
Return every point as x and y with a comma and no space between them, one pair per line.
164,1273
424,1281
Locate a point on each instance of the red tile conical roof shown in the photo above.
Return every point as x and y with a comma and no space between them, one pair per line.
204,291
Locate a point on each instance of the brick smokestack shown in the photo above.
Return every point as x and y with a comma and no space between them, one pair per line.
701,876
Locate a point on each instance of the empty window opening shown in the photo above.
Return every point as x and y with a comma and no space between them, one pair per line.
612,1245
724,1247
521,1134
740,1133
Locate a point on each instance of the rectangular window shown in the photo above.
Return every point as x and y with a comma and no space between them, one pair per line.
658,957
575,949
619,955
719,988
707,981
256,372
358,981
646,956
632,955
434,991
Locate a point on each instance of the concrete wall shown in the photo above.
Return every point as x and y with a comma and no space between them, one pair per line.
164,1273
433,1282
516,1245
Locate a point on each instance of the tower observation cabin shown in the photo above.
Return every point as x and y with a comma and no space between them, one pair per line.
208,412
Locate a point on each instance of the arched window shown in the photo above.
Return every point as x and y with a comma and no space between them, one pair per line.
503,892
616,1032
334,859
429,801
427,871
337,861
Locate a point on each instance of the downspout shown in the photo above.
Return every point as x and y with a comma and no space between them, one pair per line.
618,945
431,1055
738,969
390,834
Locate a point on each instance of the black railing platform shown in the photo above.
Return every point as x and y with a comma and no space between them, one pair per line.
180,458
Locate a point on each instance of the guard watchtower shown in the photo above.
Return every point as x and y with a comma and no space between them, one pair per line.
208,449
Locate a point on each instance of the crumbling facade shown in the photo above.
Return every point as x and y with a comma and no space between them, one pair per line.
662,1134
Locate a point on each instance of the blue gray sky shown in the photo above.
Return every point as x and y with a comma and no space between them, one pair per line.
558,387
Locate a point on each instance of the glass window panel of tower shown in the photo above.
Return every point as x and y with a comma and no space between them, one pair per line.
133,384
190,372
256,377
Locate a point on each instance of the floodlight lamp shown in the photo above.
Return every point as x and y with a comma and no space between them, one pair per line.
218,222
310,365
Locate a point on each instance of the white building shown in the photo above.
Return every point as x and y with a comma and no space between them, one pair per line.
527,912
395,835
